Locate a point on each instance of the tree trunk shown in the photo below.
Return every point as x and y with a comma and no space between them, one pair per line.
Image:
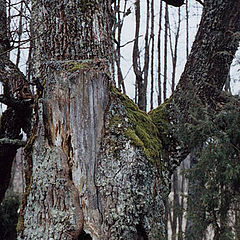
206,69
84,176
159,55
166,27
94,163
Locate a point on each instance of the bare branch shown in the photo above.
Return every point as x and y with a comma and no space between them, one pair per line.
15,142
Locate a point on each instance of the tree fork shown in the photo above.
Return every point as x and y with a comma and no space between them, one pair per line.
94,168
207,67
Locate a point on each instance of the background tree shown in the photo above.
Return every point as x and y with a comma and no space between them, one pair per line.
18,98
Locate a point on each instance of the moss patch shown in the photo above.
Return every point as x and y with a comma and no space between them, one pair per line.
160,118
141,130
75,66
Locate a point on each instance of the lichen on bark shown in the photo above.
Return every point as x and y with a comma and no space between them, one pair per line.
131,184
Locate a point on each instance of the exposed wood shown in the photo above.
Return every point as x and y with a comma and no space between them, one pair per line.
89,172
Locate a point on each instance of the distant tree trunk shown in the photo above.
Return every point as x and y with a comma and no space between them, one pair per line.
174,50
166,27
4,41
136,54
20,31
187,29
117,52
17,96
159,55
143,105
152,54
141,73
194,192
182,198
173,212
227,86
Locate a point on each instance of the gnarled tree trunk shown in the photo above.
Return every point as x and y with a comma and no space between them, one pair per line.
95,163
84,176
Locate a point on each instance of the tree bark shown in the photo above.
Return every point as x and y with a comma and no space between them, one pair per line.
166,27
159,56
83,174
94,163
207,67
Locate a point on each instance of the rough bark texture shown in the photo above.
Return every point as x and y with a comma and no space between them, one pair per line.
83,174
212,52
86,174
207,67
76,29
95,161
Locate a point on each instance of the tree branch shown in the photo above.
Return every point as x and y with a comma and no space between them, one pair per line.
15,103
14,142
175,3
201,2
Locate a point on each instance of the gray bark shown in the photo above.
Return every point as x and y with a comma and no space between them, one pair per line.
88,163
83,174
207,67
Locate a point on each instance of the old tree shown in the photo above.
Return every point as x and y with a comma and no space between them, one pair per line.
96,167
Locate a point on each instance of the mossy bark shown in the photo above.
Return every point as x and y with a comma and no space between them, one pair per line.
85,176
97,161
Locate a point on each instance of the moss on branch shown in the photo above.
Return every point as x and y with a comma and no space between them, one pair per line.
141,130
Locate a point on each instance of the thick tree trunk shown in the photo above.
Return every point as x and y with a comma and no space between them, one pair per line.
206,69
94,164
83,174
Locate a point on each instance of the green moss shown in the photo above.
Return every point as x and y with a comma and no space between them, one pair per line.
20,224
143,132
115,121
75,66
134,138
160,118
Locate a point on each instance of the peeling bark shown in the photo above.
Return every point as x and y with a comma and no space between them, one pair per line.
91,168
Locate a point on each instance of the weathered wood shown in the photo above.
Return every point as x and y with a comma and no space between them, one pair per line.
95,163
79,154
